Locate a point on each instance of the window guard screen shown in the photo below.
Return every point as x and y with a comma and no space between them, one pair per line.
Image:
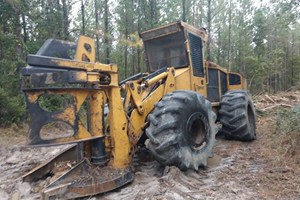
196,54
166,51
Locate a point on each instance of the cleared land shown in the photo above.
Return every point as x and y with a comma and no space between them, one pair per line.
267,168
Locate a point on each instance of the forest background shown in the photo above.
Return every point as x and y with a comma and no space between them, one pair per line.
257,38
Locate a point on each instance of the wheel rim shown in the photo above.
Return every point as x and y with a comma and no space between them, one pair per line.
196,129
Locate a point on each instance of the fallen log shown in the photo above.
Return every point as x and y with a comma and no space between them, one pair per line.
277,105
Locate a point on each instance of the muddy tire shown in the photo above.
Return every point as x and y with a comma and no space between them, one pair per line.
237,116
182,130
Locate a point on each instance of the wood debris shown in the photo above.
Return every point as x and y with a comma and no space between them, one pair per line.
266,102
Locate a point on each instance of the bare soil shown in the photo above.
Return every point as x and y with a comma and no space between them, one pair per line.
238,170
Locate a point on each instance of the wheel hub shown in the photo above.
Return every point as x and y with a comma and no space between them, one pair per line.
196,129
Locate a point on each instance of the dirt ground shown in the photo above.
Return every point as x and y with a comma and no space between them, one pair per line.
238,170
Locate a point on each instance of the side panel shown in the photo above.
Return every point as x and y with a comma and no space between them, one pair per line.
223,82
213,85
182,77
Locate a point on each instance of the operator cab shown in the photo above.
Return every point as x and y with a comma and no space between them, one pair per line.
168,46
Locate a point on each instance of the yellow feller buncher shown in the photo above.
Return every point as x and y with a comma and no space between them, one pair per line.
172,110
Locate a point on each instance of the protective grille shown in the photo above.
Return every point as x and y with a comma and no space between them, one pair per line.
213,85
196,54
223,78
167,51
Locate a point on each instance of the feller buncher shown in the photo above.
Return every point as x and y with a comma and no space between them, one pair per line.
172,110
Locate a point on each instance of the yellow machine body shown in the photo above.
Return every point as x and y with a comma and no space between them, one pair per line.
129,102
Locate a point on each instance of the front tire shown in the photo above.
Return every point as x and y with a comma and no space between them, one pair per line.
237,116
182,130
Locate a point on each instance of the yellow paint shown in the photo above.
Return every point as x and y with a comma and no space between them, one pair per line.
118,130
242,86
124,130
202,90
235,87
34,96
72,64
85,54
83,133
156,79
170,82
137,121
67,115
136,96
80,97
80,76
93,77
96,105
182,77
114,79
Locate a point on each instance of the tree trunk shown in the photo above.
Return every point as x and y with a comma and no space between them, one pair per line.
126,47
106,33
292,65
58,17
183,10
219,47
285,84
65,20
97,29
83,17
18,30
24,28
133,60
229,38
208,29
139,29
193,12
201,13
153,13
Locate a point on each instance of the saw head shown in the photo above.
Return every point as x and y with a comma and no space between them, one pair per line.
99,160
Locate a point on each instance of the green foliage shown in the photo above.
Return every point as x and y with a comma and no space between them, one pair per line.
54,103
11,108
256,71
288,120
294,62
24,26
11,100
286,139
259,32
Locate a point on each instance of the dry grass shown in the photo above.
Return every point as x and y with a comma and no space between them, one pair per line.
14,130
279,144
13,134
286,138
280,126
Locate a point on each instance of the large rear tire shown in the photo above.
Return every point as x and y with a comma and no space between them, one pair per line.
237,116
182,130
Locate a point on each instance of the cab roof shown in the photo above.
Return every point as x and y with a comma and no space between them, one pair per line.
173,28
